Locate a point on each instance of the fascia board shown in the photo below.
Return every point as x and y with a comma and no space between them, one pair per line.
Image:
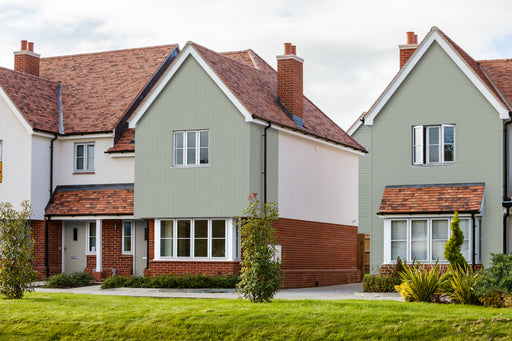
458,60
16,112
188,51
354,127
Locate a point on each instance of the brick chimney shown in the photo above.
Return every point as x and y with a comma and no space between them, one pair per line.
26,60
289,83
408,49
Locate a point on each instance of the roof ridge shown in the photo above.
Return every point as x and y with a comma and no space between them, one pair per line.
223,56
109,51
494,60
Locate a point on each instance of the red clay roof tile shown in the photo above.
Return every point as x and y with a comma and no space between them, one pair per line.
125,144
442,198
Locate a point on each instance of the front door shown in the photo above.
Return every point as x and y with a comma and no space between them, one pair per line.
141,247
74,246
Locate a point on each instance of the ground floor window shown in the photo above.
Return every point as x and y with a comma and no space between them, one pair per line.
423,238
208,239
91,237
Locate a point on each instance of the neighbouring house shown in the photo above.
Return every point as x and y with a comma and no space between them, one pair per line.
438,141
210,128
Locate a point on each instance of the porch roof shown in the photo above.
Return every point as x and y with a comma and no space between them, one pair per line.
432,198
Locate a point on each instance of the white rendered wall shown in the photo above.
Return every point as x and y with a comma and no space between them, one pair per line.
40,175
16,165
317,182
107,169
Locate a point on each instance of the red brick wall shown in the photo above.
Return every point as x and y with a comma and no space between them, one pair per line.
27,63
54,246
405,54
317,254
314,254
290,85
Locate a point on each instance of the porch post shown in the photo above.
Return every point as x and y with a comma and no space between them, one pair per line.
98,246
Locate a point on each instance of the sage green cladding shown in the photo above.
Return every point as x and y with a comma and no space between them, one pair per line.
436,91
192,101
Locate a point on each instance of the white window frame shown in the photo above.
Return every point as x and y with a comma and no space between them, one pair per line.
132,239
229,246
421,133
387,237
88,238
85,169
197,148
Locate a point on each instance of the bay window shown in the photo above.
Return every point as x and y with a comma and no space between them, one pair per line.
423,239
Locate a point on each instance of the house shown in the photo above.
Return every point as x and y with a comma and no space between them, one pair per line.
438,141
209,128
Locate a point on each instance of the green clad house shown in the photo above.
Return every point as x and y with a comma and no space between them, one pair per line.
438,142
220,126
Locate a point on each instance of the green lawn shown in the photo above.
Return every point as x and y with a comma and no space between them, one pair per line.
41,316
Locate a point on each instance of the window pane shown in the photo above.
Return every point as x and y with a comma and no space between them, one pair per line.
79,150
433,135
399,249
418,145
399,230
191,156
438,250
464,227
419,239
203,139
178,157
449,133
90,157
440,229
166,247
448,153
218,228
127,229
201,229
201,248
203,156
92,236
183,238
178,140
191,139
433,155
218,248
465,250
79,163
166,229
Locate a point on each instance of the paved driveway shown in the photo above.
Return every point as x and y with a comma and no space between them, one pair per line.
336,292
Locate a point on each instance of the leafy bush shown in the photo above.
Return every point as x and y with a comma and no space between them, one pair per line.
498,277
260,274
452,251
73,280
461,285
16,251
496,299
171,281
419,284
380,283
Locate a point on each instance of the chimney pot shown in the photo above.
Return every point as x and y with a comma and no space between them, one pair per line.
410,38
23,45
287,48
415,39
31,47
294,49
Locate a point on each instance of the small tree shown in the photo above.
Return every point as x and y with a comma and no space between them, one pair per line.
452,247
16,251
260,275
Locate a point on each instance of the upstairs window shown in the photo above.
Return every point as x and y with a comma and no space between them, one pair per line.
84,157
433,144
0,161
191,148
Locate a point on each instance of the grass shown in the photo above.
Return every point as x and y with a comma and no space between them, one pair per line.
48,316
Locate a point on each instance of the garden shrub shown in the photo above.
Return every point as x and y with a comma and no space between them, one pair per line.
380,283
496,299
419,284
260,275
16,251
498,277
170,281
460,285
73,280
452,247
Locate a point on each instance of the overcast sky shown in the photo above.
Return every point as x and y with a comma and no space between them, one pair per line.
350,48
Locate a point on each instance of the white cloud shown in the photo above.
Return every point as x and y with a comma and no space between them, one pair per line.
350,47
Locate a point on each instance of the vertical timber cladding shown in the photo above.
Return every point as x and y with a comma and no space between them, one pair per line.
437,92
192,101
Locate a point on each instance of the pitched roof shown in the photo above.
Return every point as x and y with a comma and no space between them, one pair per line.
115,199
125,144
254,83
35,98
440,198
98,88
500,72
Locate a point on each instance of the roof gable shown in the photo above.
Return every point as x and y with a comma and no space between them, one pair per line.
464,62
251,85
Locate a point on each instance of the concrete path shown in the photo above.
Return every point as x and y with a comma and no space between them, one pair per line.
336,292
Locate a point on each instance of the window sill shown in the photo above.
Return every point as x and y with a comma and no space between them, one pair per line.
185,167
83,173
435,165
130,254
